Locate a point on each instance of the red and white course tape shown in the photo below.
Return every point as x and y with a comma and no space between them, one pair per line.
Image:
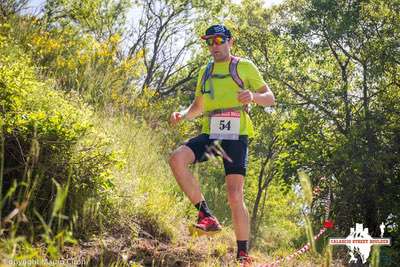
327,224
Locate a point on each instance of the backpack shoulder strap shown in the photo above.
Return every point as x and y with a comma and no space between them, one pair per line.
235,76
206,75
234,72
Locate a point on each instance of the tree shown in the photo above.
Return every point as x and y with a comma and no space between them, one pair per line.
357,39
333,66
167,33
266,150
102,18
10,7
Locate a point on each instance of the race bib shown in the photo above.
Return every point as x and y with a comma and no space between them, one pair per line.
225,125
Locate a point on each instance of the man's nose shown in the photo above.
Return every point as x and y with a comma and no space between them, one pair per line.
215,45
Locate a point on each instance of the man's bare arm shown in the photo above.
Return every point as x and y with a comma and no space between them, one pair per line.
263,96
193,111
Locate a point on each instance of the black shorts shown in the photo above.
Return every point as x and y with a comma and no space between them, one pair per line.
233,152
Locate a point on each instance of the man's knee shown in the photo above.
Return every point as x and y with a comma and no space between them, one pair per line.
235,198
234,188
180,157
174,159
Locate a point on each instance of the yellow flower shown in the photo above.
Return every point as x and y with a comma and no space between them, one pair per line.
114,39
60,62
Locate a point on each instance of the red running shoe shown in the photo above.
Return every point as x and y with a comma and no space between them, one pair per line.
244,259
206,225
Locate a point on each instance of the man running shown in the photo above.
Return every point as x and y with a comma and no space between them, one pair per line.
225,88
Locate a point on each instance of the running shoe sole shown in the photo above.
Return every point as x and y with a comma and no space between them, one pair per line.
196,232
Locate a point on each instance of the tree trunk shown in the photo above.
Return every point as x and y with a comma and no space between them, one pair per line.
369,199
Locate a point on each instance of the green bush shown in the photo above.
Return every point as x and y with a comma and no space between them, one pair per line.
49,144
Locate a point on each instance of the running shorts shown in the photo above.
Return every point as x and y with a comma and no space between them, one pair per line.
234,152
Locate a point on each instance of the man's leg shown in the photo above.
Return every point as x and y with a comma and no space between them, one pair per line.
179,162
235,170
240,215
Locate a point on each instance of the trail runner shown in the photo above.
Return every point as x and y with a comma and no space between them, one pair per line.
226,87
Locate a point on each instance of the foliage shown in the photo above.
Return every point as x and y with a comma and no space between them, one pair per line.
78,62
144,189
47,163
330,63
103,135
102,18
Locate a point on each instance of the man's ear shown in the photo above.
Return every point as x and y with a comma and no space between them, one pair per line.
231,41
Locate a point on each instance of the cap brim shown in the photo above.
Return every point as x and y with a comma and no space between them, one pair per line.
205,37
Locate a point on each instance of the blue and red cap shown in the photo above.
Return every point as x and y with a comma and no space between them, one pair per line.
217,30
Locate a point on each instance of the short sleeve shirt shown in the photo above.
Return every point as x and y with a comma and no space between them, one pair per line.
226,91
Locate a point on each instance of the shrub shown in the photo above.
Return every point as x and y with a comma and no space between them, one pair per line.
49,143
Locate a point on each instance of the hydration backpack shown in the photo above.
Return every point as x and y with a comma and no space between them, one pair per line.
233,72
208,75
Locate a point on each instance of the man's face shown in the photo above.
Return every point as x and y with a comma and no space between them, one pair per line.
219,51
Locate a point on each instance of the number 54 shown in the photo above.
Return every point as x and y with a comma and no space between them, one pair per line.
223,125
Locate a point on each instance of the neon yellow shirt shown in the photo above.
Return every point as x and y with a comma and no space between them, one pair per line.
226,91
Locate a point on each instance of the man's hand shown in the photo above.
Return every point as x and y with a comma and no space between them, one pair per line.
245,97
176,117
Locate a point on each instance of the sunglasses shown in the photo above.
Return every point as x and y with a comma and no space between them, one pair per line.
218,40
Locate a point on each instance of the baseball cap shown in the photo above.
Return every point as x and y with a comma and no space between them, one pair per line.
217,29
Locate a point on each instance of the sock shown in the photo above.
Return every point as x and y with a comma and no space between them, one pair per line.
242,245
202,206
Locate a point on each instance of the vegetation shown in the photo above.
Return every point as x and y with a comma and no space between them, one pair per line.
86,89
